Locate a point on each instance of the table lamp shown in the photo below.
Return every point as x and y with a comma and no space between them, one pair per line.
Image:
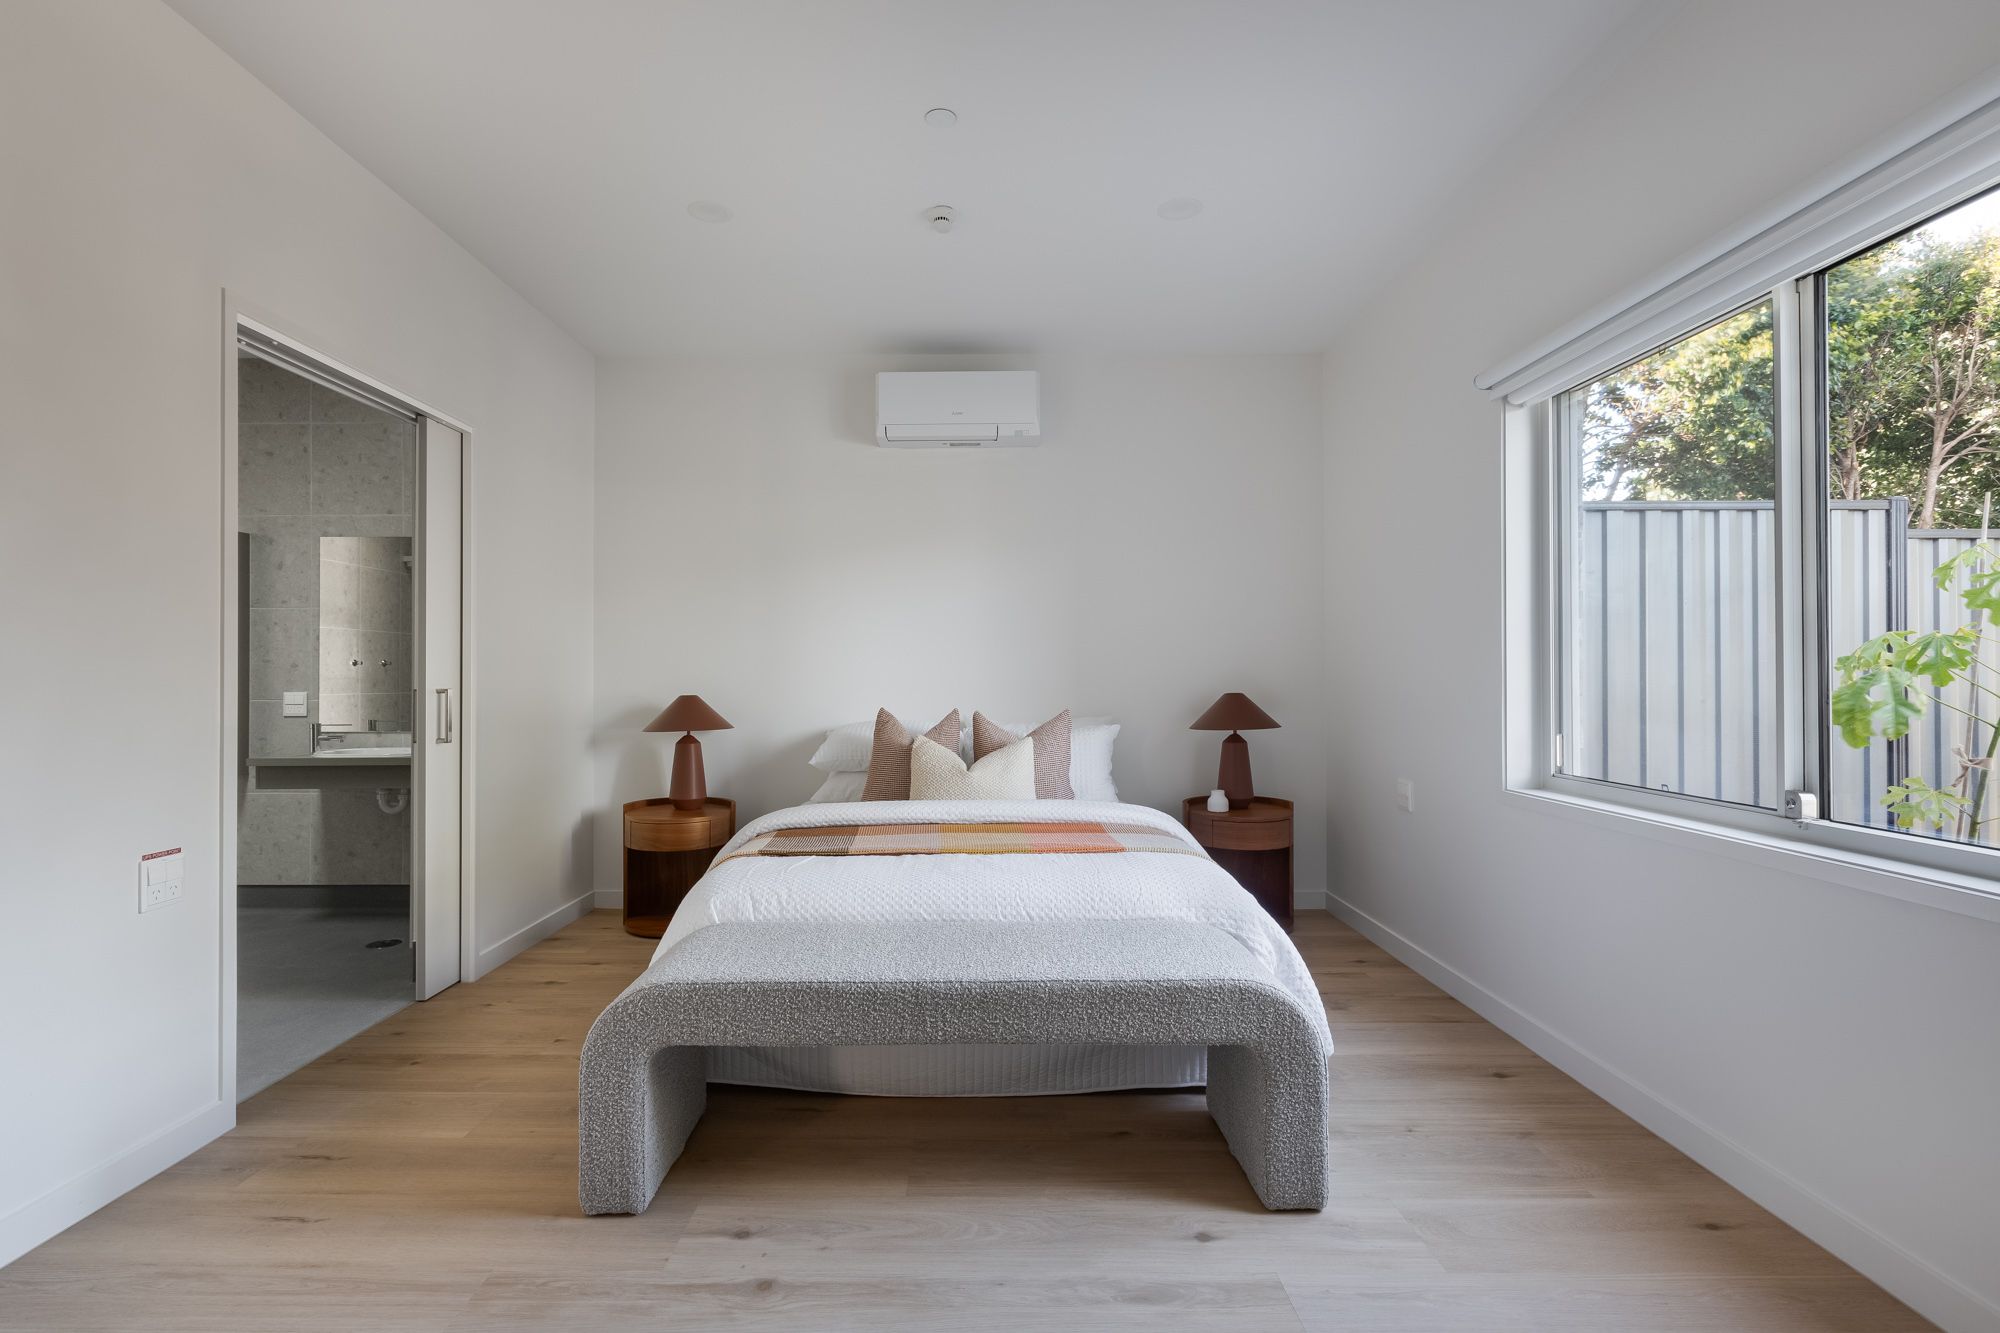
689,714
1234,713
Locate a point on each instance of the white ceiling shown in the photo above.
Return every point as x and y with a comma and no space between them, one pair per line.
562,141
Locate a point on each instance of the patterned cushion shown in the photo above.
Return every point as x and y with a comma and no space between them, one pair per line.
1051,752
938,774
889,761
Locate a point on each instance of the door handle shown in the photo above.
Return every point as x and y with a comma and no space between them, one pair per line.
444,716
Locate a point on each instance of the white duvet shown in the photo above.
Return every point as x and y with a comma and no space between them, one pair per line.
1097,886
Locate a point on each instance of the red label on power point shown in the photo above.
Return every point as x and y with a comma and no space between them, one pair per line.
154,856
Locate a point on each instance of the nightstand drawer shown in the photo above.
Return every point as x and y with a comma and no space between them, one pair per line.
1240,835
687,835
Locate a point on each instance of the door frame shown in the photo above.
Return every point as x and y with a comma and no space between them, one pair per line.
239,313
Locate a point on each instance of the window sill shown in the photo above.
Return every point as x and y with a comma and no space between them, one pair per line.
1967,895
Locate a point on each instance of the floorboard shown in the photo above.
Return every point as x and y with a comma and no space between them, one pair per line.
423,1177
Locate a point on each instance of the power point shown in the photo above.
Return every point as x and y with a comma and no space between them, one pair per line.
160,875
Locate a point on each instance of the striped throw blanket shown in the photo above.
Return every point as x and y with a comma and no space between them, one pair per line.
962,839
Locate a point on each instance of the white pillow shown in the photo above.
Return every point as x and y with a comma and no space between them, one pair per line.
939,774
839,787
849,746
1090,741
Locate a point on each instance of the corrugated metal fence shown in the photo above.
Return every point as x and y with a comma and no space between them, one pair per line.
1673,671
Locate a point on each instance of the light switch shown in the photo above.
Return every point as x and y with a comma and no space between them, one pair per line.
295,703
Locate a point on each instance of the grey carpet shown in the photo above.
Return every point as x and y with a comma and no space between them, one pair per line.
306,982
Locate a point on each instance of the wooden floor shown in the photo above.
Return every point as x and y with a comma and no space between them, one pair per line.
423,1176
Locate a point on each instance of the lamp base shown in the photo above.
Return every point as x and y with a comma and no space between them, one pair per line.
690,785
1233,776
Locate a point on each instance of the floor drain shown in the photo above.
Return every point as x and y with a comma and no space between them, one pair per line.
382,944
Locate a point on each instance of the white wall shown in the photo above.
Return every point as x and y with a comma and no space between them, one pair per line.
1828,1049
1160,546
145,173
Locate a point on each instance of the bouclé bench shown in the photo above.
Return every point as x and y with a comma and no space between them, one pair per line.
644,1076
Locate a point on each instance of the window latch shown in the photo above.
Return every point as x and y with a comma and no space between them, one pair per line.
1801,807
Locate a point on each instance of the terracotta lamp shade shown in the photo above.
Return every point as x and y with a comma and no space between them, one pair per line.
688,714
1234,713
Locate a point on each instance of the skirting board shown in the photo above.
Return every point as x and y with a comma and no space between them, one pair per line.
531,934
83,1194
1935,1295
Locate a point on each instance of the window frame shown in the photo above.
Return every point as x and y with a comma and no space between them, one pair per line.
1542,495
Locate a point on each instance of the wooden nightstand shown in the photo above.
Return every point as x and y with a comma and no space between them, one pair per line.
666,851
1255,845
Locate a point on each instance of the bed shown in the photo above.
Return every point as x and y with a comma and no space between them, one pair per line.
1166,878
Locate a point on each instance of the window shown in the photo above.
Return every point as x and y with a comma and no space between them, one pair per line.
1912,361
1765,571
1670,648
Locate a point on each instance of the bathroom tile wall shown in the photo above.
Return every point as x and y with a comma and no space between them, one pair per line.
315,464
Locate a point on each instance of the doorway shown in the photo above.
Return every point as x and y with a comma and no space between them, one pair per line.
349,575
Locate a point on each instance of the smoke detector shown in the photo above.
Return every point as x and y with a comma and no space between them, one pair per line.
941,217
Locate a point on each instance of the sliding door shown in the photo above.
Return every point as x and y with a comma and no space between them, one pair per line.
435,900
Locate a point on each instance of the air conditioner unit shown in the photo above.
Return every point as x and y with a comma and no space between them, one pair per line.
957,409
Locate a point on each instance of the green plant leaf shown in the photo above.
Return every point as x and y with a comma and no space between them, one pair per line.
1875,702
1915,801
1979,566
1884,650
1941,655
1982,591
